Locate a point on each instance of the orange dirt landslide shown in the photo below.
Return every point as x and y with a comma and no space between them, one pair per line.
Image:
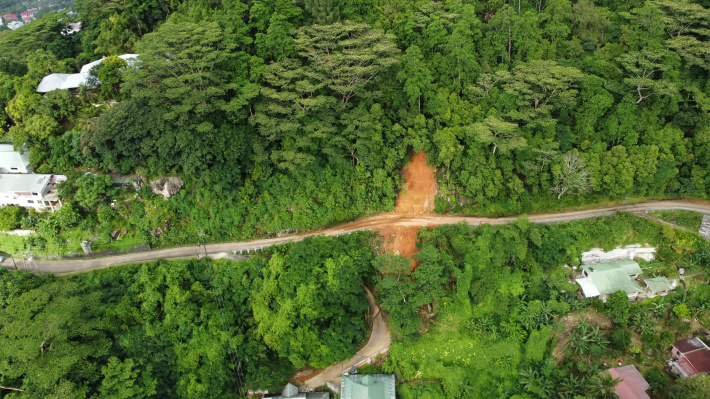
416,198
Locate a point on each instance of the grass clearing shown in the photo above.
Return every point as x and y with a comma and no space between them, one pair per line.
688,219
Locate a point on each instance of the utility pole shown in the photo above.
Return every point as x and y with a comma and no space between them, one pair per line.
27,258
624,206
201,246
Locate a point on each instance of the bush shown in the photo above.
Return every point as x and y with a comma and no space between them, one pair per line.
598,305
656,379
682,311
10,217
667,339
618,307
620,338
650,339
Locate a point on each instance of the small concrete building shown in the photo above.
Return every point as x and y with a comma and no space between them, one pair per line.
690,357
658,286
603,279
12,161
290,391
632,384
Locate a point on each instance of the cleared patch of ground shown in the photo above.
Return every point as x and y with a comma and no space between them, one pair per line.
594,318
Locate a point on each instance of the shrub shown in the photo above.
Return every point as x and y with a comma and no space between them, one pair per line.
620,338
656,379
667,338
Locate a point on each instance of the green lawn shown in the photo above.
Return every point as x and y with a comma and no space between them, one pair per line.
687,219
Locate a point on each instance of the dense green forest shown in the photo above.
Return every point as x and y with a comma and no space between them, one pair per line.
488,311
284,115
183,329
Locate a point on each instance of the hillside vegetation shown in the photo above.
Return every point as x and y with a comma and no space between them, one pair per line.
287,115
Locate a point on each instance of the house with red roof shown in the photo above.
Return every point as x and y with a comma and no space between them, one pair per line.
690,357
632,384
27,16
9,17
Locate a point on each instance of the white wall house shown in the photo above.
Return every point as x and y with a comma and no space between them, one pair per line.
30,191
12,161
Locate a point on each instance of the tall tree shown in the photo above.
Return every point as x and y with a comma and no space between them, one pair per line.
415,76
323,12
347,57
500,134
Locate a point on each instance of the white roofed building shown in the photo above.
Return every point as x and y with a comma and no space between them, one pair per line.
12,161
72,81
30,191
12,25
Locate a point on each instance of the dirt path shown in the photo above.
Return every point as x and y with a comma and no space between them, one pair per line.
379,342
371,223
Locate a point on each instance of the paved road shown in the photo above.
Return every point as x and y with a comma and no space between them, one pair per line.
389,219
379,342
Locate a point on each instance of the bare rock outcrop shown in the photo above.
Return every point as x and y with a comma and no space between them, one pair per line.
167,186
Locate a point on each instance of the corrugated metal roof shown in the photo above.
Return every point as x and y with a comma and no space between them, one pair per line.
633,385
23,183
9,158
590,290
700,360
689,345
658,284
373,386
628,266
611,281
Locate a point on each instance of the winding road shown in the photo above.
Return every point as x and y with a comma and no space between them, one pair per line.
370,223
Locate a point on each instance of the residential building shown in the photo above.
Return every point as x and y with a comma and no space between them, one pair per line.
27,16
72,81
9,17
603,279
12,25
372,386
30,191
12,161
72,28
632,385
690,357
290,391
658,286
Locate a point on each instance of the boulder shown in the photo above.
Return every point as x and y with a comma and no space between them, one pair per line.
167,186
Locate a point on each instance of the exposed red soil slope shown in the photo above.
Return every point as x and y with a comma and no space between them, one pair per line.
416,198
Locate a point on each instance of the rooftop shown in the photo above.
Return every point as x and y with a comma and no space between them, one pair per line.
658,284
629,266
608,278
374,386
75,80
689,345
23,183
632,385
9,158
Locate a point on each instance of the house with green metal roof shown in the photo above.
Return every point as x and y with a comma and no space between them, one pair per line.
658,286
372,386
603,279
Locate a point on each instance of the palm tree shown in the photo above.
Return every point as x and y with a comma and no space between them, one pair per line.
603,385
